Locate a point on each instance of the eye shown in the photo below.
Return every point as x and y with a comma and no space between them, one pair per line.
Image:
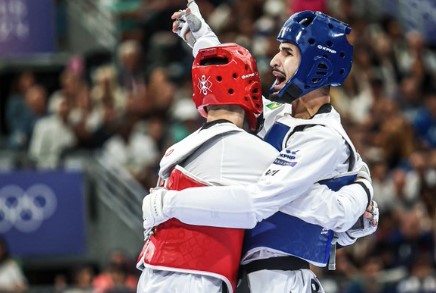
287,52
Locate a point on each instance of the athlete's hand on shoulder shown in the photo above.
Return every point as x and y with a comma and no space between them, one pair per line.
190,25
366,225
152,208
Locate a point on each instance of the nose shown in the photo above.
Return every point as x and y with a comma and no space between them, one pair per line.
275,61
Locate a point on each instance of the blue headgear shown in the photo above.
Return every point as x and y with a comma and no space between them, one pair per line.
326,55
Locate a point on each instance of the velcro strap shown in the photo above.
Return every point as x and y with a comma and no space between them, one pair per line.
284,263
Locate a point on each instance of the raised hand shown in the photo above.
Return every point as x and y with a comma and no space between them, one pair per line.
190,25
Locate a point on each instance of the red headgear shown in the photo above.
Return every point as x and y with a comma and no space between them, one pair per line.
227,75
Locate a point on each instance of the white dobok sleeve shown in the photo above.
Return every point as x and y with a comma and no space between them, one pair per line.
306,160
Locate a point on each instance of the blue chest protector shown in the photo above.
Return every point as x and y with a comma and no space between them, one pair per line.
288,234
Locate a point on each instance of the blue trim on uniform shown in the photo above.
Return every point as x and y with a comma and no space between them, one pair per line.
292,235
337,183
276,135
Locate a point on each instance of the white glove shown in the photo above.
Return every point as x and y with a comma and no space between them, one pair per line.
182,29
366,225
152,208
193,29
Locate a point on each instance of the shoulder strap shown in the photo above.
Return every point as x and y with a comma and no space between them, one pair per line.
183,149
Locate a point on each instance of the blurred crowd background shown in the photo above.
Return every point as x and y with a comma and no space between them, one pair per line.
114,91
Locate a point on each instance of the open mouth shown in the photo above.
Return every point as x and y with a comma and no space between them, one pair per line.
280,80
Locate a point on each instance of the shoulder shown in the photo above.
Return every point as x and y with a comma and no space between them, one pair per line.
248,148
247,140
317,137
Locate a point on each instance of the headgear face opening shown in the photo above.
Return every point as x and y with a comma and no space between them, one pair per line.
227,75
326,55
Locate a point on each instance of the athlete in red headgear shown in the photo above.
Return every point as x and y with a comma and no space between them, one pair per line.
185,258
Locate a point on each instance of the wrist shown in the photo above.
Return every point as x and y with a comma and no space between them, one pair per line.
167,202
205,42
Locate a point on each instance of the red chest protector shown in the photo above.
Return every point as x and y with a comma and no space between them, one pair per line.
204,250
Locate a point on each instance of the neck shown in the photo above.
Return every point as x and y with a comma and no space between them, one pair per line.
233,114
308,105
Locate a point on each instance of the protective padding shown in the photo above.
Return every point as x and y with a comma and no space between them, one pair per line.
326,55
227,75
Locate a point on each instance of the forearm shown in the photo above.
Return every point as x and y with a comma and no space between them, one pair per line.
220,206
206,41
337,211
348,204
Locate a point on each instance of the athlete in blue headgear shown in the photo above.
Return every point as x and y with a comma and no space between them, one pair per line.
290,227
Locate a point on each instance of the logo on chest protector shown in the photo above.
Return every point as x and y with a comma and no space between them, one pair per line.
287,158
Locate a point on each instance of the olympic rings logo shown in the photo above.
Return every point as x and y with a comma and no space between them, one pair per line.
25,210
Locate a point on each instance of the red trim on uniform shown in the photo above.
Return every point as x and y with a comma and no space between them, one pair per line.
195,248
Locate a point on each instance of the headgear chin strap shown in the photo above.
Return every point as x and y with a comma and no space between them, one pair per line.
326,55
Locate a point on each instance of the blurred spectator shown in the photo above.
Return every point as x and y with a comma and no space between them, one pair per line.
422,278
132,78
424,165
19,116
384,192
185,119
369,278
394,29
343,97
301,5
131,148
117,276
131,69
71,85
12,279
409,98
424,122
35,109
52,136
393,134
160,94
410,240
114,280
119,257
83,277
406,186
85,119
106,87
416,49
387,65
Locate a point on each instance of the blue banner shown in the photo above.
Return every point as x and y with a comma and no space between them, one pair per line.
26,27
42,213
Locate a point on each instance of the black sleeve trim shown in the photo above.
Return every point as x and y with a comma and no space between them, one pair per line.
368,194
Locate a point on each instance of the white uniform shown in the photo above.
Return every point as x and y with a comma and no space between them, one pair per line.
322,154
291,185
236,158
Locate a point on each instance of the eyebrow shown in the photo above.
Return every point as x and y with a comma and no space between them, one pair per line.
287,49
